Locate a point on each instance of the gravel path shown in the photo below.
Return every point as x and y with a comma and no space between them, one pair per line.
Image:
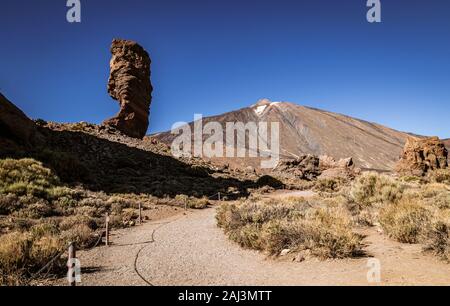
191,250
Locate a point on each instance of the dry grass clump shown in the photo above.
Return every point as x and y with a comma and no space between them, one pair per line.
273,226
407,221
373,188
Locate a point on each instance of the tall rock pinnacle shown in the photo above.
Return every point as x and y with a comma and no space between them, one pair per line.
129,83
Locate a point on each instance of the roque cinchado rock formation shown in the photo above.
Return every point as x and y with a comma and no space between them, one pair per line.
129,83
423,155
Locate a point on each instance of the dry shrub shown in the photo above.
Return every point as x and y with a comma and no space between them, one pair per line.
22,254
372,188
407,221
439,239
14,252
201,203
272,226
329,185
440,176
9,203
81,234
73,221
191,202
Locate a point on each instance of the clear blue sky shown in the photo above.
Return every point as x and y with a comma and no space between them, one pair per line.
215,56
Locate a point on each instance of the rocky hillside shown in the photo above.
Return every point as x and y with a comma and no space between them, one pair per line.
305,130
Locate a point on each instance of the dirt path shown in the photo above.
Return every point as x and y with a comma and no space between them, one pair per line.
191,250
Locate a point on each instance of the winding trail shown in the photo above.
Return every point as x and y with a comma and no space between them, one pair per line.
189,249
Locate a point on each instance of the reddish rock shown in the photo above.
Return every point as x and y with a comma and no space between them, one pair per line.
422,155
344,168
129,83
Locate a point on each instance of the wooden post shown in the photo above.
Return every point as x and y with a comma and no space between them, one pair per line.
185,204
219,196
71,264
107,230
140,213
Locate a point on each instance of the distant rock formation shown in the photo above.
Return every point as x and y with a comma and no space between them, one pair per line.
309,167
15,126
344,168
422,155
304,167
129,83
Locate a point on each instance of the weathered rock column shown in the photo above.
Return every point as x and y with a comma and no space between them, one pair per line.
129,83
422,155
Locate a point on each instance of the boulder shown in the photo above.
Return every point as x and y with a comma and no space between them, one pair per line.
421,155
129,83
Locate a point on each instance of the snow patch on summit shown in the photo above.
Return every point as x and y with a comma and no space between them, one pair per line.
260,109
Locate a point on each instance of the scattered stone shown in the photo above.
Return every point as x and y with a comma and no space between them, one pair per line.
285,252
129,83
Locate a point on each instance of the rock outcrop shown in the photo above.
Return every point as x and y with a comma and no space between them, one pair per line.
16,127
309,167
304,167
422,155
129,83
343,168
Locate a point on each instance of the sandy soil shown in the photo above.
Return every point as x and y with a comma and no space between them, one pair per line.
189,249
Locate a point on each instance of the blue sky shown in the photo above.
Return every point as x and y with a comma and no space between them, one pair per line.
212,56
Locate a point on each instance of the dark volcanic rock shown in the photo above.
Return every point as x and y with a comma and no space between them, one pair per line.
129,83
15,126
422,155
